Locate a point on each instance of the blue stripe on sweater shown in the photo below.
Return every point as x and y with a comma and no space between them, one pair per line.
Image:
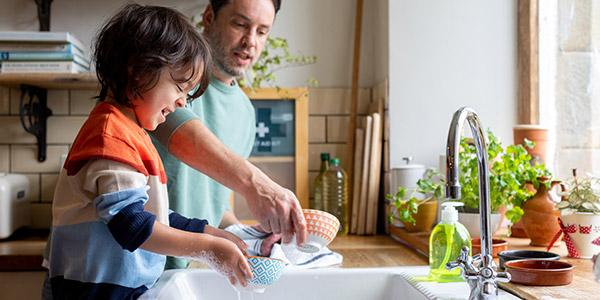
108,205
87,252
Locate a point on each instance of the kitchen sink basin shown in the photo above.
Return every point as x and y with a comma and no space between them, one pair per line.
328,283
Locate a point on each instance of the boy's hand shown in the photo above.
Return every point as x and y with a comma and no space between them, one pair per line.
229,261
227,235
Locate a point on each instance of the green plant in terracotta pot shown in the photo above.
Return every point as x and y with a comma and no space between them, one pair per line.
418,214
580,215
510,170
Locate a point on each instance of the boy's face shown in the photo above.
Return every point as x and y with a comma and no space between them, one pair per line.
155,104
237,35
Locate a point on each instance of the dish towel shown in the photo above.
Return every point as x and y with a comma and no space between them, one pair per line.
288,252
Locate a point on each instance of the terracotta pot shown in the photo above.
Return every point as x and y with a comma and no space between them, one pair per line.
540,215
424,217
497,246
534,133
518,230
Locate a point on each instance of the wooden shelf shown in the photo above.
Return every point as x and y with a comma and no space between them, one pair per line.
272,159
51,81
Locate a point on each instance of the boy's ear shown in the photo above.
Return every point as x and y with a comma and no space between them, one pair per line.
208,18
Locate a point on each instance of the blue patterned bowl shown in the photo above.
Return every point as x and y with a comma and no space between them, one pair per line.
266,272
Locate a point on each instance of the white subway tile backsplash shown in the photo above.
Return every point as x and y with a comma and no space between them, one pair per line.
4,100
83,101
15,95
334,150
48,186
41,215
13,131
34,187
316,129
4,158
63,130
24,159
337,129
58,101
336,101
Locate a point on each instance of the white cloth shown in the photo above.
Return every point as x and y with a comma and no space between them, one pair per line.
288,253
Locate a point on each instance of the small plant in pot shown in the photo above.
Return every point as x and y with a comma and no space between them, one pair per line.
417,214
580,215
510,169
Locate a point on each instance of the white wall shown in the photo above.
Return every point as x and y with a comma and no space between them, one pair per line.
445,55
324,28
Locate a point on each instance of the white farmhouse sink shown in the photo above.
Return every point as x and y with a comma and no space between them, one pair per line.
328,284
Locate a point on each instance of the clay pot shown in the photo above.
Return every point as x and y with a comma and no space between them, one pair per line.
424,217
518,230
540,217
534,133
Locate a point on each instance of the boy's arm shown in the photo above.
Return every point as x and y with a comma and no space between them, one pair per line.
221,254
276,208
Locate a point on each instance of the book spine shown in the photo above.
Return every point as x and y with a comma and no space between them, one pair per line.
45,56
41,37
36,47
42,67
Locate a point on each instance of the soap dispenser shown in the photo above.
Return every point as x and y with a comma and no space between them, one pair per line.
445,242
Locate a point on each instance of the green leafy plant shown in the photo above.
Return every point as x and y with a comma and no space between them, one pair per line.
510,171
274,57
408,205
583,197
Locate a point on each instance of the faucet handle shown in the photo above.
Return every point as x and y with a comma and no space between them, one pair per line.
503,276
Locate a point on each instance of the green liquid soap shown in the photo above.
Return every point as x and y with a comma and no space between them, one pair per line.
445,242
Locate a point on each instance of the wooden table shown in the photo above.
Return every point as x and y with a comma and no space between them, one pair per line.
582,287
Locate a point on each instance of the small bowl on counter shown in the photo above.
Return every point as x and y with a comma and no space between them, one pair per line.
540,272
508,255
497,246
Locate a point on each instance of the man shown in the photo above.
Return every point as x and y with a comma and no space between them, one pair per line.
237,31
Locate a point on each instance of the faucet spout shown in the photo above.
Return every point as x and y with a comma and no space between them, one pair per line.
482,279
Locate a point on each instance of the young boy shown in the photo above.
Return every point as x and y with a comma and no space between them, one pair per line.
111,224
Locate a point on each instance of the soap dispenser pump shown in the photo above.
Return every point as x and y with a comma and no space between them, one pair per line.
445,243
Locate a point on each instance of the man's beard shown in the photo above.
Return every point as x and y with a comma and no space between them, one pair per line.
220,54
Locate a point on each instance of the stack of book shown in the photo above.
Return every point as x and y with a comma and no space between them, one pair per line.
42,52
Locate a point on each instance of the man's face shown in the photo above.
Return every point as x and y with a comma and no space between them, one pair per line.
237,35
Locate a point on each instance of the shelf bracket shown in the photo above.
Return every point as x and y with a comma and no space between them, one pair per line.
34,112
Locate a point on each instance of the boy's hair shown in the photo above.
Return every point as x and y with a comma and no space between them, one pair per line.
218,4
139,42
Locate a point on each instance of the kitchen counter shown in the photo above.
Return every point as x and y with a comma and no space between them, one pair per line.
583,285
25,253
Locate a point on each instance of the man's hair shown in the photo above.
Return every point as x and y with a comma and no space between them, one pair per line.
218,4
139,42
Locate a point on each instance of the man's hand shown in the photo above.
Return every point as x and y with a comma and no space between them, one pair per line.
276,209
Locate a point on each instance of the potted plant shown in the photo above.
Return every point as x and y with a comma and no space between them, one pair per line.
580,215
417,214
510,170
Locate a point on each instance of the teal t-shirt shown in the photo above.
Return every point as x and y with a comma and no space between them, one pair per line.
229,114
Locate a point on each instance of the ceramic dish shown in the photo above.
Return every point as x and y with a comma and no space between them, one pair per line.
509,255
321,229
540,272
266,271
497,246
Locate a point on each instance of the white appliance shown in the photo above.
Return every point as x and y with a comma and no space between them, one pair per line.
14,203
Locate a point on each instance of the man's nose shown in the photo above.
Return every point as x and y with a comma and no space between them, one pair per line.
249,39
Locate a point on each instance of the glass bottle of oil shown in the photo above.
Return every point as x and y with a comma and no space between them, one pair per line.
335,194
445,242
317,203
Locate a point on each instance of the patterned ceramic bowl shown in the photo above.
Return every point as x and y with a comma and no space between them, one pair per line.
266,271
321,227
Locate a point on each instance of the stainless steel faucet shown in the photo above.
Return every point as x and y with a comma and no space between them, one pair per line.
482,279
